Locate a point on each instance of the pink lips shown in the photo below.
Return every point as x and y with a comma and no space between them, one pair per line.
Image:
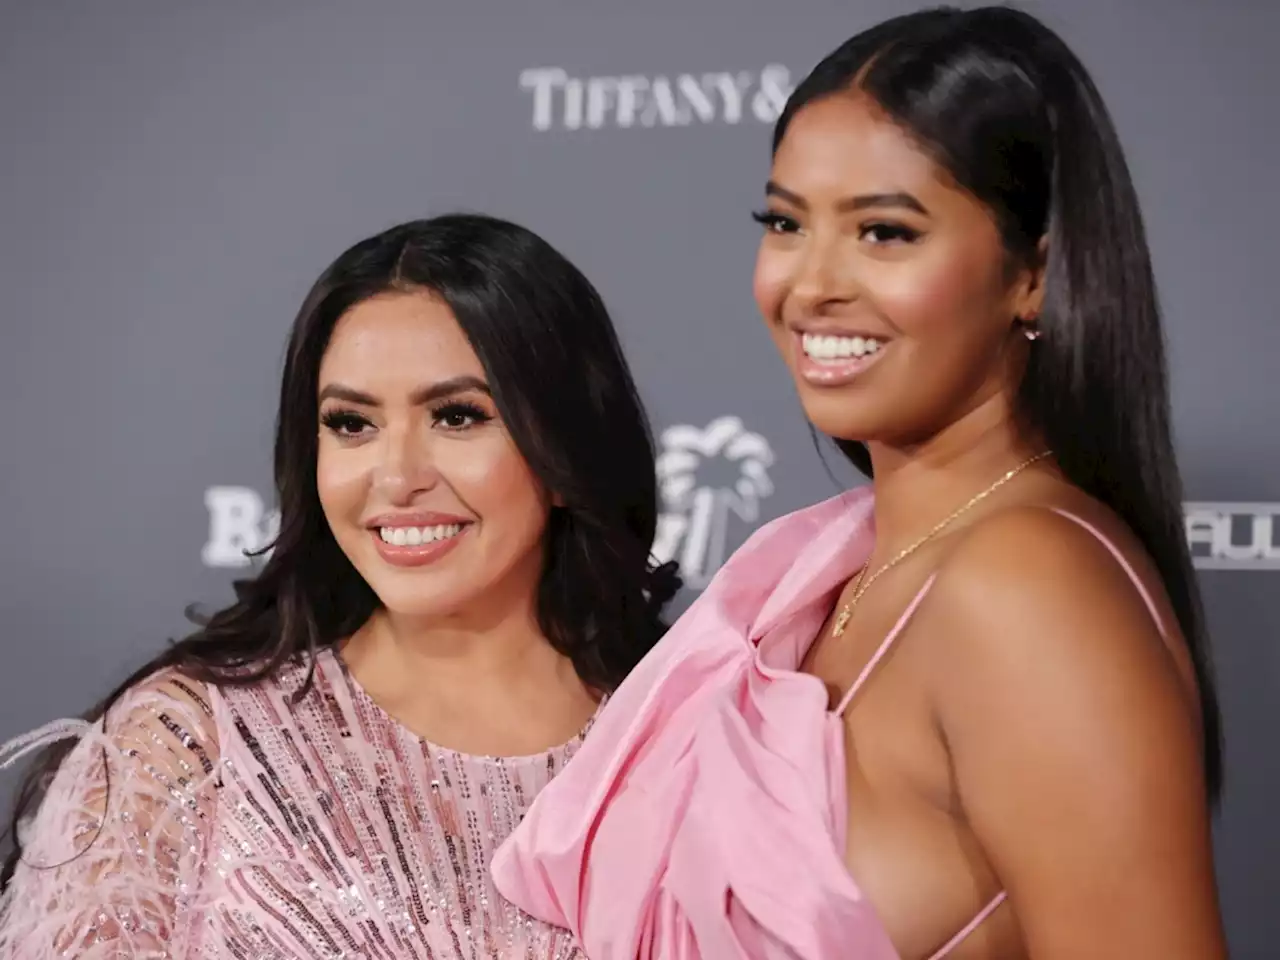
416,554
831,373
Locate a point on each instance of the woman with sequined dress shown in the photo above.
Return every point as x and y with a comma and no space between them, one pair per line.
467,496
965,711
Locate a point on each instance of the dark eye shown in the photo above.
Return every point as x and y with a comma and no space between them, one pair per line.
889,233
345,423
460,416
775,222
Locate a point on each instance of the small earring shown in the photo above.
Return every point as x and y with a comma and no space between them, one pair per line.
1031,333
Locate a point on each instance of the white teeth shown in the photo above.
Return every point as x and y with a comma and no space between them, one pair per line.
417,536
828,348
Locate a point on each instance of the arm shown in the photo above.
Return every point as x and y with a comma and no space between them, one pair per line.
116,852
1076,744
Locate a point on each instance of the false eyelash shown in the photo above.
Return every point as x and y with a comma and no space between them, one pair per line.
895,231
335,420
767,218
776,223
461,408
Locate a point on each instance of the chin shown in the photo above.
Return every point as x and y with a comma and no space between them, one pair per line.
405,603
868,415
839,419
409,592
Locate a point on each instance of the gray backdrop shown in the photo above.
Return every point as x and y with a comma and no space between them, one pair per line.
174,176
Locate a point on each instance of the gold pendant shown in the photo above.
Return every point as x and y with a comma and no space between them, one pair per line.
842,621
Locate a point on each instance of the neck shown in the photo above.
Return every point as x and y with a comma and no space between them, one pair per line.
460,646
920,484
491,646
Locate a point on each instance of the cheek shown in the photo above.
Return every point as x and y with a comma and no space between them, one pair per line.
342,479
941,296
770,283
492,478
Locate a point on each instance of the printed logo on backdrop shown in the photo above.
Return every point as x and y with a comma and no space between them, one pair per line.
560,101
1234,536
239,523
712,480
709,477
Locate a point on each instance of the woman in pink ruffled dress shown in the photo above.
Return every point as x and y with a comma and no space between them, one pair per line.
967,711
467,496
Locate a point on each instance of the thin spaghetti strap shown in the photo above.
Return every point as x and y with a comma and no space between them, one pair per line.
885,644
971,926
1124,564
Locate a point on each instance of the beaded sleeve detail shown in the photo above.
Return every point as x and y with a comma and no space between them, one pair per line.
263,823
113,862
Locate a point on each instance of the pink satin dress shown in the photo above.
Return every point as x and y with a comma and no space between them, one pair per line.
705,817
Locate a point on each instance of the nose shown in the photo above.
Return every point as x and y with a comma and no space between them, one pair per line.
405,466
823,276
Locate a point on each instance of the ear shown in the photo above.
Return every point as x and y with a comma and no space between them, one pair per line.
1028,294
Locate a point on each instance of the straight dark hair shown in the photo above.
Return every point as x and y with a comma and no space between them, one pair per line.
563,388
1003,105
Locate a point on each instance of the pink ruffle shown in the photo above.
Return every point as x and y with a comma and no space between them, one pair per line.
705,815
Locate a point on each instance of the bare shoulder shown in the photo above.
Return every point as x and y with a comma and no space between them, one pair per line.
1030,581
1034,598
1063,705
1075,738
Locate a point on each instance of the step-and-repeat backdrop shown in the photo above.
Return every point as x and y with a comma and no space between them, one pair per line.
174,176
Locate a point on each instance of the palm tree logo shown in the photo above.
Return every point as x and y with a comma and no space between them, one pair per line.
705,475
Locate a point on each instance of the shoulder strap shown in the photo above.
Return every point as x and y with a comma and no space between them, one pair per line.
1124,565
885,644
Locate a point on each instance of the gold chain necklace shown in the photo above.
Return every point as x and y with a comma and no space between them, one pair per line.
864,582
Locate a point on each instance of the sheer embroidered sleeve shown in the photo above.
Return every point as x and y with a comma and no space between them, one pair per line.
113,861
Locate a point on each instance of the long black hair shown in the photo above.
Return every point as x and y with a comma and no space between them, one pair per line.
1003,105
563,388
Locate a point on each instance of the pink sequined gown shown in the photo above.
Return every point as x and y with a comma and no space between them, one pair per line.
240,825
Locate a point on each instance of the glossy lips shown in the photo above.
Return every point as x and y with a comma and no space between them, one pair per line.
830,359
418,539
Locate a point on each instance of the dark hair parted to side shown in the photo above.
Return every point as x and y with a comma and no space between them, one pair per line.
563,388
1003,105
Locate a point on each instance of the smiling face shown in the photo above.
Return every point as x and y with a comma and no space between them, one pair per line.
885,285
419,480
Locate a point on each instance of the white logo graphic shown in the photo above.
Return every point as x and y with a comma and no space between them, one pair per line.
591,103
705,475
239,521
1234,536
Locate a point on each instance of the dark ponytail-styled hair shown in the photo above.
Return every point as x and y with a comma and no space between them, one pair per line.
566,395
1003,105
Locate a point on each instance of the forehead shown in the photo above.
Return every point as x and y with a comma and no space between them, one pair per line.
846,143
411,336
